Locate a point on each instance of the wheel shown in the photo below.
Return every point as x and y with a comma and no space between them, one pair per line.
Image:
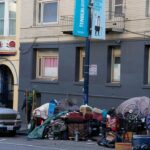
12,133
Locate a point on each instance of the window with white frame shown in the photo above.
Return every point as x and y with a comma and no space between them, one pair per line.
114,64
80,60
47,11
47,64
118,7
147,10
7,17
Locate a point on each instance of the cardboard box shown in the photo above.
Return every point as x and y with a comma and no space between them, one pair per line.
128,136
123,146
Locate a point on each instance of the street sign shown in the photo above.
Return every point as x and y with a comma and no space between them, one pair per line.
93,70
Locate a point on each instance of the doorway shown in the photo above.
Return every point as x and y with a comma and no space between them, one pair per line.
6,87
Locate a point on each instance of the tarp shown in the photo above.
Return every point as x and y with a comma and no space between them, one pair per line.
37,133
138,105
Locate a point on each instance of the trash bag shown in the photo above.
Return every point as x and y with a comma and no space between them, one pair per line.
110,139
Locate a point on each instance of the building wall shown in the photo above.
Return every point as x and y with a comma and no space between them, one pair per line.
132,42
136,22
132,73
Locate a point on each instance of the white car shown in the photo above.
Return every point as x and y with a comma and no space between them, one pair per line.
10,120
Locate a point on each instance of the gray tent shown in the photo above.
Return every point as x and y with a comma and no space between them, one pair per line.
140,106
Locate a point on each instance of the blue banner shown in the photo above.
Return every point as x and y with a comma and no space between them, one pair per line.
98,19
81,18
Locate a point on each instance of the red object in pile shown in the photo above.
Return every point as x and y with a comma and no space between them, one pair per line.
75,116
112,123
88,116
97,116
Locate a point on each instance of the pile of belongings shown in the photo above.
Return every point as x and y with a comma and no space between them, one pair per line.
66,120
42,130
109,130
79,124
134,112
133,115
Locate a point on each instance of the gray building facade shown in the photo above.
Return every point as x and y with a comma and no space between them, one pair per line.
121,61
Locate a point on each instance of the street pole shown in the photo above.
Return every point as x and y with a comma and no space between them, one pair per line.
87,58
86,71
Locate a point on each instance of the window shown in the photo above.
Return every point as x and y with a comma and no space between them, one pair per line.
12,18
2,18
118,7
147,66
48,11
80,59
47,64
147,10
114,64
7,18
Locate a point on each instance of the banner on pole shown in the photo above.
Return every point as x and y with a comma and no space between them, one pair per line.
98,19
81,16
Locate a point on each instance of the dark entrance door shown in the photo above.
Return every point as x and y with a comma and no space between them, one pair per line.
6,87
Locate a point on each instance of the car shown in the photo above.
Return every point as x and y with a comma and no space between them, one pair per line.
10,121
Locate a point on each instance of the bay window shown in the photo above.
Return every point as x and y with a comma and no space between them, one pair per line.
7,17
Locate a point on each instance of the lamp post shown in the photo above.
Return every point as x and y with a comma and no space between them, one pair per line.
87,59
83,28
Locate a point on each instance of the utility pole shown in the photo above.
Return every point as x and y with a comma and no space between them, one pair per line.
87,58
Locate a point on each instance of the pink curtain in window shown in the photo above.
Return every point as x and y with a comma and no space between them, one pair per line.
51,62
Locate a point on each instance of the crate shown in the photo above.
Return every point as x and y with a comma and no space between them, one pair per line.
123,146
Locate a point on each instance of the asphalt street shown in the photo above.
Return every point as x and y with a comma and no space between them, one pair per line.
21,142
